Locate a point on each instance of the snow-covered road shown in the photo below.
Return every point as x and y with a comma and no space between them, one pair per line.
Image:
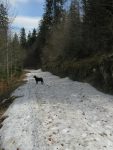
59,115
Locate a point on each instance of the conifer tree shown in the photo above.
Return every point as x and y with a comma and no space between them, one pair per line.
33,36
4,54
3,19
98,25
58,10
29,40
73,49
23,38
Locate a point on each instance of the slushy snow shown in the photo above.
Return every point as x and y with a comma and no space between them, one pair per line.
59,115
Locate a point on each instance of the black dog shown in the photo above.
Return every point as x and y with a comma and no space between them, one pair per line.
37,79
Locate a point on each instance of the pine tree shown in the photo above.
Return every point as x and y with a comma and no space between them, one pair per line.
45,29
73,49
3,25
23,38
15,52
4,22
33,36
58,10
98,25
3,19
29,40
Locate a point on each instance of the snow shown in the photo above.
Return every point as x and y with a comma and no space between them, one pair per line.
59,115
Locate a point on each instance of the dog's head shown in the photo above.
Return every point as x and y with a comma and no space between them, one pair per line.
34,76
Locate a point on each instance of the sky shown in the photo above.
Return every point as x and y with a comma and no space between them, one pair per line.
26,13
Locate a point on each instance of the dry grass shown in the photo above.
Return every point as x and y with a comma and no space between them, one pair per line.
3,87
6,90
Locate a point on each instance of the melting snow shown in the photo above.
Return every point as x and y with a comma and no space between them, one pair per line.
59,115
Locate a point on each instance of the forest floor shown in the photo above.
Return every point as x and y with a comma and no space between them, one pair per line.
60,115
5,92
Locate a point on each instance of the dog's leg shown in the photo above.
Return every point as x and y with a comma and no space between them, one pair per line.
42,81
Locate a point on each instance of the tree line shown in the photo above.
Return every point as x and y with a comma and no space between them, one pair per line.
72,37
13,46
69,30
72,30
75,39
10,50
